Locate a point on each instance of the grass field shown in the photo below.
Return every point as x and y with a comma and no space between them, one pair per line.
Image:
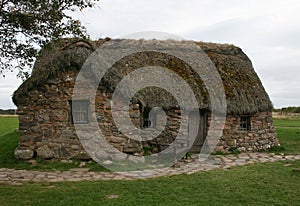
258,184
288,132
290,123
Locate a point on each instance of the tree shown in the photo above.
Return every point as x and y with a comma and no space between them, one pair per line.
27,25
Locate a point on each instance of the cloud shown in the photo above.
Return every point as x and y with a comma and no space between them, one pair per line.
268,32
6,101
7,87
272,46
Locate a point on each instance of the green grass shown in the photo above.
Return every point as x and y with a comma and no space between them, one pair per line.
288,132
286,123
9,141
8,124
259,184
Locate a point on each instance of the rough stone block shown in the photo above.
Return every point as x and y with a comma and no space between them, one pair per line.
232,142
242,149
22,153
45,152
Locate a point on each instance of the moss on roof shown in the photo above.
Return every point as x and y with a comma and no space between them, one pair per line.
244,91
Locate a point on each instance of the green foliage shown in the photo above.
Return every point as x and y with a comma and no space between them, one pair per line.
148,150
26,25
7,111
188,155
276,149
288,110
234,150
268,184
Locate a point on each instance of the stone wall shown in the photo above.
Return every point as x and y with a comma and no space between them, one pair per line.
46,129
262,135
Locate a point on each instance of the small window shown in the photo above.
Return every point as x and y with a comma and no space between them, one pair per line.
80,111
146,118
245,123
149,118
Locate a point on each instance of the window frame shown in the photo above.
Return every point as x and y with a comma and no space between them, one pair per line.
86,111
245,123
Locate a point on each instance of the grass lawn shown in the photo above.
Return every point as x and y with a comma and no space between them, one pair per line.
8,124
257,184
288,132
287,123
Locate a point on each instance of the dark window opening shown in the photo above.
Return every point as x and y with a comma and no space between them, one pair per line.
79,111
149,117
245,123
146,119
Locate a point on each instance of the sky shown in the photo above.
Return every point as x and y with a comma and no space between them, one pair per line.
268,31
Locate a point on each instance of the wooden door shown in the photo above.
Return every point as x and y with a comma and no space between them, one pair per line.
194,131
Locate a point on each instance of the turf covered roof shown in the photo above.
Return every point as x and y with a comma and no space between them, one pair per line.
243,88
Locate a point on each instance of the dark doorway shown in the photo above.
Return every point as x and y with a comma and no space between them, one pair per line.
194,121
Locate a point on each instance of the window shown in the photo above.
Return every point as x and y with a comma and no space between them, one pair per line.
245,123
80,111
146,118
149,117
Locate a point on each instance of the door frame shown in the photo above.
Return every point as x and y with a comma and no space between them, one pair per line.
202,130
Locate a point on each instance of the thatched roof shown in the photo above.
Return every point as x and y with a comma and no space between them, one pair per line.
244,91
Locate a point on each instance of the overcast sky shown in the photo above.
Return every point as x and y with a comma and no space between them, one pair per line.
268,31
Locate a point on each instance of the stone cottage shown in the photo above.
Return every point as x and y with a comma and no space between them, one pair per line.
47,112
